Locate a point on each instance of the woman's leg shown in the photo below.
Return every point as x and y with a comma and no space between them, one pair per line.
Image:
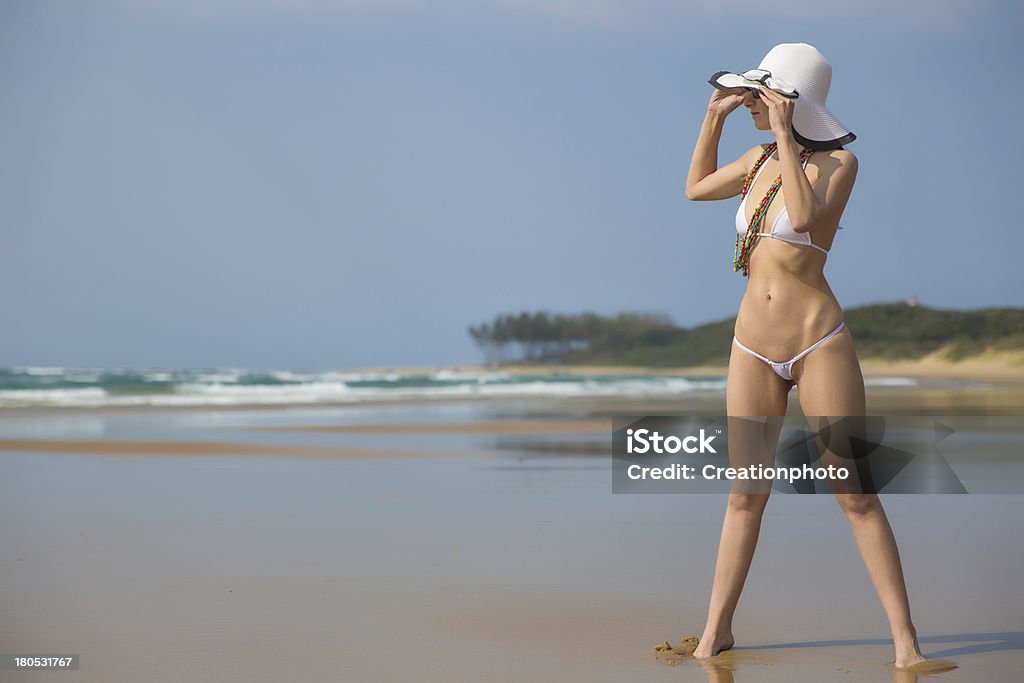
753,389
830,385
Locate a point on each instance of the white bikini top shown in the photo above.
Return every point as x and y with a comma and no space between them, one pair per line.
782,229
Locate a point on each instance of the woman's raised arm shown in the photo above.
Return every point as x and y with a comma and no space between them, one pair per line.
705,180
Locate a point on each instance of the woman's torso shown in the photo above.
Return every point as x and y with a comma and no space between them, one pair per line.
788,304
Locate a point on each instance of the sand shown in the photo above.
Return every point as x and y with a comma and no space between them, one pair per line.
184,447
930,667
483,427
589,419
355,547
673,655
191,447
990,365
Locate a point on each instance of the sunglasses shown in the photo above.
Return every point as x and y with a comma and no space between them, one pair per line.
765,78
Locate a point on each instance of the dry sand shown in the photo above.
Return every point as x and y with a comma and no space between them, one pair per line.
1005,366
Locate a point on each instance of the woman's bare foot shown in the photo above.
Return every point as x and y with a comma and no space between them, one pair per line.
711,644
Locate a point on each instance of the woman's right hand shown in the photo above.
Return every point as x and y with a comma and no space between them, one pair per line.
725,101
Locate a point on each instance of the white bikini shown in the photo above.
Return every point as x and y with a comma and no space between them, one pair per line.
782,229
785,369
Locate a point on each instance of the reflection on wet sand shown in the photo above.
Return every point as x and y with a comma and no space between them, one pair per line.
930,666
722,667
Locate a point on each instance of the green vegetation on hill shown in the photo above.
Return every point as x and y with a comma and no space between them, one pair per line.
890,331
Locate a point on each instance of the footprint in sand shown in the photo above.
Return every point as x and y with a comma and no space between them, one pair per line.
673,654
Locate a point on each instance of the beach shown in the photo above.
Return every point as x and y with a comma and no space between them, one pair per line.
327,360
463,538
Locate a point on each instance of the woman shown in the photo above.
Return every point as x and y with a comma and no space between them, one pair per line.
789,329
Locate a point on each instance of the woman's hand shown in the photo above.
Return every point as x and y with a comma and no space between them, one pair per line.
725,101
780,113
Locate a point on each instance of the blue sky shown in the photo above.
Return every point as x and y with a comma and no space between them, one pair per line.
345,183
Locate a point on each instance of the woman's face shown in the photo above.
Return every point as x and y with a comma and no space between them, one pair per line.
758,110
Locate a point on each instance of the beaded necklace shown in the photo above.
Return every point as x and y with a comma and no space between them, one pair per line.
744,244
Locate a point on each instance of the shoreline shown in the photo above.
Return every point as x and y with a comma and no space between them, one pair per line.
992,382
936,395
1006,367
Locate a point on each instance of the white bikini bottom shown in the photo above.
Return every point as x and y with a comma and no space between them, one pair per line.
785,369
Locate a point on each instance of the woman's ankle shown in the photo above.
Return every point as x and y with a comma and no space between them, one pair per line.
715,629
907,647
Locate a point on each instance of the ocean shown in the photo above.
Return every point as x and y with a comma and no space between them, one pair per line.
116,387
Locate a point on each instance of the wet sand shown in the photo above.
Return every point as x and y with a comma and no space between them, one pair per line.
185,447
473,541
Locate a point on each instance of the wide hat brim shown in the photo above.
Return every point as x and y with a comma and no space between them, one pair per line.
814,125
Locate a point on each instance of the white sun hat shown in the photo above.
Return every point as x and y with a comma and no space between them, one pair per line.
799,71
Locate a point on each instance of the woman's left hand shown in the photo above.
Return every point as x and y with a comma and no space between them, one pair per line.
780,112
